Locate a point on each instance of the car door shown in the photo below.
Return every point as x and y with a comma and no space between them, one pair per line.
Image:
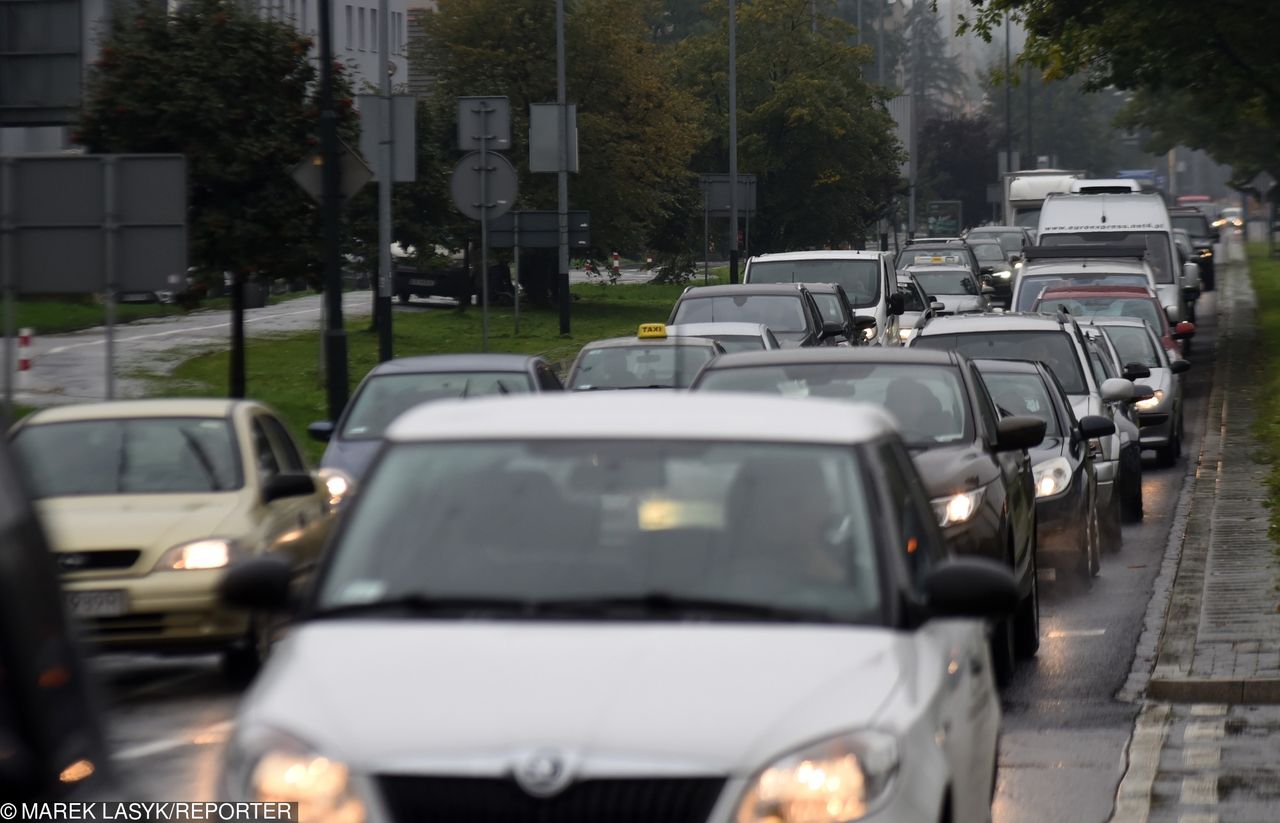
546,379
293,525
963,712
888,335
1019,483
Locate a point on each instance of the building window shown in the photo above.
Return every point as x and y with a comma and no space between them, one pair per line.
350,27
373,29
400,32
360,40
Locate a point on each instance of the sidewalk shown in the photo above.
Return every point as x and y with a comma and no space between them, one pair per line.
1206,745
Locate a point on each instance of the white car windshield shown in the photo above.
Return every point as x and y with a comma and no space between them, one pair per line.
948,281
783,313
668,366
776,526
860,278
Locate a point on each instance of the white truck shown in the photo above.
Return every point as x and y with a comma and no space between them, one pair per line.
1025,191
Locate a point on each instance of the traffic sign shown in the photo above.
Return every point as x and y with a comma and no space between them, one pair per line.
309,173
487,118
539,230
1262,183
467,181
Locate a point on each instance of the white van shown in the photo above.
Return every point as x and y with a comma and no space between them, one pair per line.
1025,191
1137,218
867,277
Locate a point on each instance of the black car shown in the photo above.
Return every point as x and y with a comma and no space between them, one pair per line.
974,463
1067,529
997,271
1013,239
1203,236
836,308
51,741
788,309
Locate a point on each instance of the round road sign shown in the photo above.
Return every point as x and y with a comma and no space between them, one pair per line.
501,184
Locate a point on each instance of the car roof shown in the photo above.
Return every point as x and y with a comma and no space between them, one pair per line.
1072,265
424,364
669,340
994,229
1096,291
971,323
819,254
645,415
728,327
119,409
743,288
830,354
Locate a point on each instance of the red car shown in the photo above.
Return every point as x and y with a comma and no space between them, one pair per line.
1119,301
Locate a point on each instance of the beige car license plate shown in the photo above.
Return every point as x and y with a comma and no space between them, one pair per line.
97,603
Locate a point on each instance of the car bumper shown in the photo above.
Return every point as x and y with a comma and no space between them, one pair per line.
1156,428
1060,523
176,611
980,537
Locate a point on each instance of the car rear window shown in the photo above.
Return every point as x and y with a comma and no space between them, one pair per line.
1051,347
1031,288
860,278
1157,243
783,313
1022,394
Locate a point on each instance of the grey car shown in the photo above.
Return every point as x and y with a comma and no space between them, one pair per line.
733,337
954,287
398,385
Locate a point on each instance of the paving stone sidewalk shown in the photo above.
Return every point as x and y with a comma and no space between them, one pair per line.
1206,745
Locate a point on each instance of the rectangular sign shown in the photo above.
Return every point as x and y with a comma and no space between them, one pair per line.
61,209
539,230
715,195
944,218
484,117
40,62
545,126
404,154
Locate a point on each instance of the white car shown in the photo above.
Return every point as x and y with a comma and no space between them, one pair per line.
631,606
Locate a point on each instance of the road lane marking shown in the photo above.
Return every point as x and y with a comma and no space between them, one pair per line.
1061,633
1208,709
1202,757
214,733
1198,817
1200,790
1205,730
1133,797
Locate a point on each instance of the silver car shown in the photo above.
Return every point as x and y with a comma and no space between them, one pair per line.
734,337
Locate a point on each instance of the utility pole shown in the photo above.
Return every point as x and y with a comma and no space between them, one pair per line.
880,6
733,142
562,176
335,335
382,293
1008,102
1031,149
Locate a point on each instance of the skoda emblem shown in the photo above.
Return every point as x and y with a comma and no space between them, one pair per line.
542,774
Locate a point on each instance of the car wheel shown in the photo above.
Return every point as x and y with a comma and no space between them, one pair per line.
1133,487
1167,455
241,662
1026,636
1109,529
403,296
1089,564
1002,651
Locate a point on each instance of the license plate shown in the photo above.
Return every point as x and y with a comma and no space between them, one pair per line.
97,604
418,281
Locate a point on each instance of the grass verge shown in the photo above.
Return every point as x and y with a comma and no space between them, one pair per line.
62,316
285,371
1264,272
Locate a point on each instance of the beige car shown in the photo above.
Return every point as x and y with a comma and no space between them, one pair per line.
146,502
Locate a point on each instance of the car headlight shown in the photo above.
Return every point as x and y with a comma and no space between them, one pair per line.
1205,252
838,780
1151,402
869,333
287,771
338,484
1004,275
210,553
1052,476
905,334
957,508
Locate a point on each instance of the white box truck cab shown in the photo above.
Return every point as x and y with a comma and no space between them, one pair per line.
1137,218
1025,191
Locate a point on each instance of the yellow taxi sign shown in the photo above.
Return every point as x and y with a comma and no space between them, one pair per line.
649,331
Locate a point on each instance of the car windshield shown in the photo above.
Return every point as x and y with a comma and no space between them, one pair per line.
989,252
1134,345
1194,225
629,523
946,281
1156,242
1053,348
911,299
1027,218
782,313
1022,394
928,401
740,342
1010,241
1137,307
667,366
146,455
385,397
1031,288
829,305
859,278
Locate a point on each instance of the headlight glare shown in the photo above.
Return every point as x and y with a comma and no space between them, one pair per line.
321,787
904,334
1052,476
869,333
1151,402
212,553
337,483
835,781
956,508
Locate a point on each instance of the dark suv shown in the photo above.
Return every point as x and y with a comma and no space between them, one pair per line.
1202,235
973,462
788,309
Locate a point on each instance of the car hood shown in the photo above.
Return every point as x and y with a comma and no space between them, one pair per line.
951,469
1049,448
151,522
430,696
960,303
351,456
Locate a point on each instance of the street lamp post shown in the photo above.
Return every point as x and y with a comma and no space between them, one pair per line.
562,176
733,142
335,335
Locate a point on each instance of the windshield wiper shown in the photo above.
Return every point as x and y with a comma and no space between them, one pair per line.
201,455
665,603
423,604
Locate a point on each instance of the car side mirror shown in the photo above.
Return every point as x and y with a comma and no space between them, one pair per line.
288,484
259,584
1179,366
1019,432
1093,426
1136,371
833,328
1141,391
1116,390
972,587
1191,271
896,305
862,322
988,269
1184,330
987,289
938,306
321,430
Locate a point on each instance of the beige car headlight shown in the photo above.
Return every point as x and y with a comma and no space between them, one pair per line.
210,553
1151,402
337,484
835,781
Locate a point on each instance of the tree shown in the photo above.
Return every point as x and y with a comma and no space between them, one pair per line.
957,162
932,73
817,136
233,93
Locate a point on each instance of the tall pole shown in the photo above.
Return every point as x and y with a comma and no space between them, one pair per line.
733,142
485,111
562,176
382,301
880,4
1031,148
1008,103
335,335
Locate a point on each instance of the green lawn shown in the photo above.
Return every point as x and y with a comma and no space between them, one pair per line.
1264,271
61,316
285,371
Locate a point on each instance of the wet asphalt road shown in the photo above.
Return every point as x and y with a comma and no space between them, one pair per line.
1064,731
